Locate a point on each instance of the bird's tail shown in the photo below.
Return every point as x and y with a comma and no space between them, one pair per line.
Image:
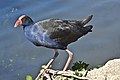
86,20
88,28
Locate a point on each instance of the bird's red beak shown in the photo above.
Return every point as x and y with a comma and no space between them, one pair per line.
18,23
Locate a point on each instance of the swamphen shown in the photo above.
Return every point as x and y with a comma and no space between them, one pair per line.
54,33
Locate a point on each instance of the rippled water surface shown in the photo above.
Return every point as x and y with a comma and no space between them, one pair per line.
19,57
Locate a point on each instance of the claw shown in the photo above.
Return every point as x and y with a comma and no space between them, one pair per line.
86,20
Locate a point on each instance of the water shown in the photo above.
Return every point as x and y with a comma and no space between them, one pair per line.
19,57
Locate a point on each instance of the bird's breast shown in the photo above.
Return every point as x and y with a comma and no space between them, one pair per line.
37,35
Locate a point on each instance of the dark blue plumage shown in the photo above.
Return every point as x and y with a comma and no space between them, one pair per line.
54,33
39,37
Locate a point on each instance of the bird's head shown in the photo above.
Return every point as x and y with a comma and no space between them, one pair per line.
23,21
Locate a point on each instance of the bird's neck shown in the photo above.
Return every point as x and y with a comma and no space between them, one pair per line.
28,26
28,31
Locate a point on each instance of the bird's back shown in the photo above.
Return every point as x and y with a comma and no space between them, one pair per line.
65,32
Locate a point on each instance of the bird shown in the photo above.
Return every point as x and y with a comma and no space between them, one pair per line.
54,33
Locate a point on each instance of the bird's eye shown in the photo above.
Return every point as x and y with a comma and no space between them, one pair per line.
23,19
26,21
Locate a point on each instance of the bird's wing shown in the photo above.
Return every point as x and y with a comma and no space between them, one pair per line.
64,31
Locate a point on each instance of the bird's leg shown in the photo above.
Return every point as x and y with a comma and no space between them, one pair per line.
54,57
69,59
48,65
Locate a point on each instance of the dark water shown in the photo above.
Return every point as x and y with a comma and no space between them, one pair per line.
19,57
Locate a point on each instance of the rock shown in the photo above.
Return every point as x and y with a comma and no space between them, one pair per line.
110,71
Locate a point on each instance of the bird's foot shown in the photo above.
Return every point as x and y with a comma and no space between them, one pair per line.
44,69
42,72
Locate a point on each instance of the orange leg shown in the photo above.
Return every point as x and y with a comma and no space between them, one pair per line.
54,57
69,59
49,63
